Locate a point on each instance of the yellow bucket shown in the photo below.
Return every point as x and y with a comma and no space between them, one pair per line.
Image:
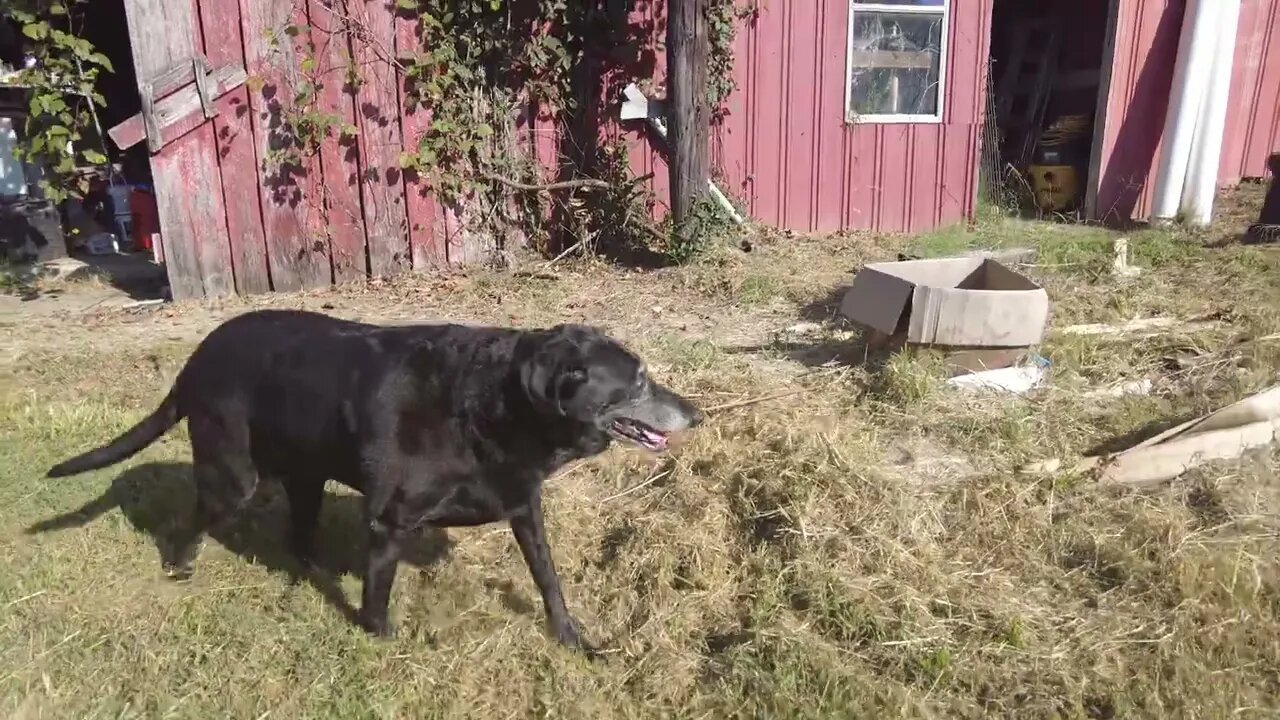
1056,186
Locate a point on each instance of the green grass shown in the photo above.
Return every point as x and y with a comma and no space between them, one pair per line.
864,547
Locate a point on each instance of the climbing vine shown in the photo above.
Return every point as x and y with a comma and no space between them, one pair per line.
477,65
477,61
723,19
60,77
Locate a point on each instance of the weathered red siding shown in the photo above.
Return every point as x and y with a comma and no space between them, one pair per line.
1253,120
1146,48
784,148
787,153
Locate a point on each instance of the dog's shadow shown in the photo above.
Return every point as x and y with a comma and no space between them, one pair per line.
157,499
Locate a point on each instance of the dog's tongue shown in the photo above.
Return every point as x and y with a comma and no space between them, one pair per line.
657,439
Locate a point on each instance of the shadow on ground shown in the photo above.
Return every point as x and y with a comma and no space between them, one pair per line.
824,338
131,274
157,499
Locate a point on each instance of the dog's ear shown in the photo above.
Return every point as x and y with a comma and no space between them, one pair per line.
555,371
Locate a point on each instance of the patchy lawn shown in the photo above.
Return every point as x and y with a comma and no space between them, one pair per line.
861,547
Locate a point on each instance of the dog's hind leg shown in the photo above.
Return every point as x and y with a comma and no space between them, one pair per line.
225,480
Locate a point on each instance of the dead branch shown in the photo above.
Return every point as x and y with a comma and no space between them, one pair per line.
751,401
562,185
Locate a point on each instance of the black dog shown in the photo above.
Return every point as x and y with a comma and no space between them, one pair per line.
436,425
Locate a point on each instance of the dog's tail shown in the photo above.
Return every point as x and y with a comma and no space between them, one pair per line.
130,442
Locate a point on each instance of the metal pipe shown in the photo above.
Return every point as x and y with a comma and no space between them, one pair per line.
724,202
1206,146
1191,75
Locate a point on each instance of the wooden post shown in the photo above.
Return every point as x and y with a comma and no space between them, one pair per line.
689,116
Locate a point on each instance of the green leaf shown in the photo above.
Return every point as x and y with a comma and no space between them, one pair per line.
93,157
484,131
100,59
407,161
36,30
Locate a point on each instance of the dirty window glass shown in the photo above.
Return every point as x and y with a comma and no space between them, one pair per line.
896,60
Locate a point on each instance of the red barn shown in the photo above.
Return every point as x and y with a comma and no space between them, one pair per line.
809,145
858,114
889,115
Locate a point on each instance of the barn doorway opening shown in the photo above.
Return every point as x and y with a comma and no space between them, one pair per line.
1046,70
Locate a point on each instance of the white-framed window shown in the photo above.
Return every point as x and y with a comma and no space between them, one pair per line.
897,61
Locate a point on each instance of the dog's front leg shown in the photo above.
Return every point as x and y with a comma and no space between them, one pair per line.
379,575
532,538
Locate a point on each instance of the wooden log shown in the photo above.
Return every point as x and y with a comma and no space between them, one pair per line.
689,120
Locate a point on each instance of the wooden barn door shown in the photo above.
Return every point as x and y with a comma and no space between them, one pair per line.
233,217
180,92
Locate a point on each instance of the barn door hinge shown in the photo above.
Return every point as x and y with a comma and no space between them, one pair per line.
147,93
167,82
200,68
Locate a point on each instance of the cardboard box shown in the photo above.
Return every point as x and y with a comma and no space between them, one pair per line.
964,302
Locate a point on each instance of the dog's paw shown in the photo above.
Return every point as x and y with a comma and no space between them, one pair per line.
178,571
377,627
568,635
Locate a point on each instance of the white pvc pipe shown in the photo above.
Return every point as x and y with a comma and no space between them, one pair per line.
1206,146
1191,74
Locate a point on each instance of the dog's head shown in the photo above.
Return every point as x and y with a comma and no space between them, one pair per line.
582,374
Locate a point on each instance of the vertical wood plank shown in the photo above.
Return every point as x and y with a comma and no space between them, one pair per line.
297,252
339,155
181,261
381,186
236,151
422,212
162,34
185,172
